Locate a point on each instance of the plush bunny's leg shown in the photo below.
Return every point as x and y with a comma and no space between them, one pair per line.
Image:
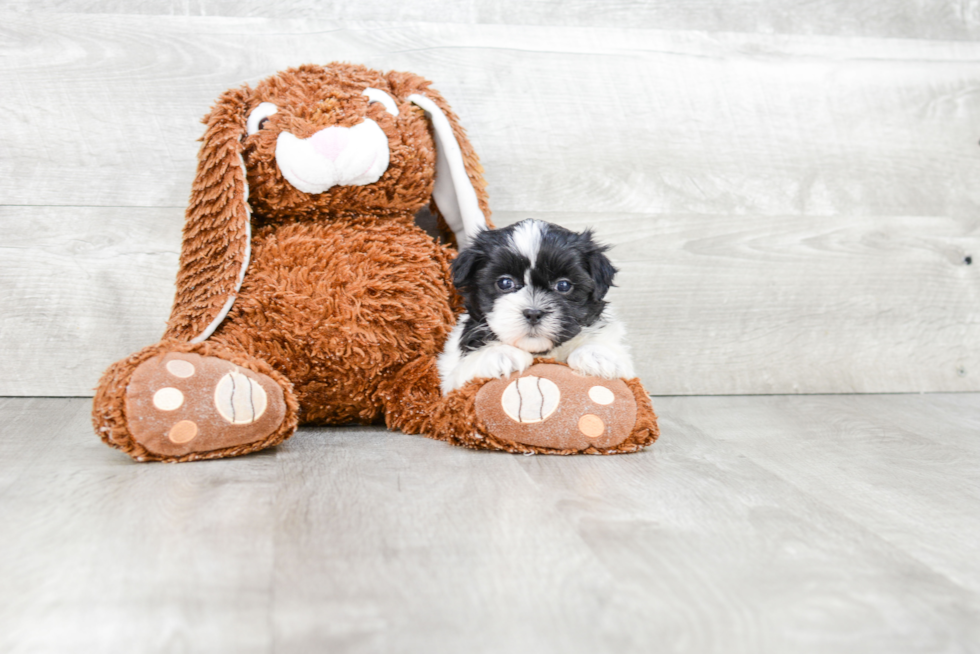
549,409
178,401
411,396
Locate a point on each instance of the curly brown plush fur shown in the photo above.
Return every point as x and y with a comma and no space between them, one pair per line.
338,297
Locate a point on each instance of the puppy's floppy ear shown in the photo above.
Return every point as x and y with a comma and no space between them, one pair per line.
217,232
598,265
459,196
465,267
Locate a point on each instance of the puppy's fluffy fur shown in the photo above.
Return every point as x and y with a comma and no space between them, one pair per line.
533,289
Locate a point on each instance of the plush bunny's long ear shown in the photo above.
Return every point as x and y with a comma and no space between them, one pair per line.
459,187
217,230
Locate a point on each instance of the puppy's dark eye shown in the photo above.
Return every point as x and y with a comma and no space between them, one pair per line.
563,286
506,284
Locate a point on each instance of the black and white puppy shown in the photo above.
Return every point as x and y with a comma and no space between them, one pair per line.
533,289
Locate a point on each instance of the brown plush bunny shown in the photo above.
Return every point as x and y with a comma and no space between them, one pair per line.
307,293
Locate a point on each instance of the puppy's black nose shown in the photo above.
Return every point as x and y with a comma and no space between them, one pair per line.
533,315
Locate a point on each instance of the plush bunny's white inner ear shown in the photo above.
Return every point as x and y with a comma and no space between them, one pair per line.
453,190
377,95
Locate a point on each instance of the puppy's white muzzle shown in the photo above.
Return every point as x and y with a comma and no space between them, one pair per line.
335,156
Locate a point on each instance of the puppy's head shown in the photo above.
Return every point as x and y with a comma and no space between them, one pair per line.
536,284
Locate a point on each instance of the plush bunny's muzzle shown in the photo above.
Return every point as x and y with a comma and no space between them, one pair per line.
335,156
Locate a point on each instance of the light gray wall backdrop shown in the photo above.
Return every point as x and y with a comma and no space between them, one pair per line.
791,187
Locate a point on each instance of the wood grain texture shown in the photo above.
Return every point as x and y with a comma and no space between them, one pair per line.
99,556
765,304
756,524
886,464
784,304
942,19
792,213
81,287
565,119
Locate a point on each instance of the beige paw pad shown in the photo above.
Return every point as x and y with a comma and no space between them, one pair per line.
601,395
550,406
239,399
168,399
530,399
180,368
178,403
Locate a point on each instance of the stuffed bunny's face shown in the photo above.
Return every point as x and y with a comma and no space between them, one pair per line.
337,139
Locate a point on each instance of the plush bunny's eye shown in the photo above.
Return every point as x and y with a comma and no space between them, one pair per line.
259,117
377,95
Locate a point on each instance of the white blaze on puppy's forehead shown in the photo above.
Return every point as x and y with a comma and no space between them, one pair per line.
526,239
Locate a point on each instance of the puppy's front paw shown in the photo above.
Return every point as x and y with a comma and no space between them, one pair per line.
601,361
491,361
501,361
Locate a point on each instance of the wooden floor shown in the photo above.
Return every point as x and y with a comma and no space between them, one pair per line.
757,524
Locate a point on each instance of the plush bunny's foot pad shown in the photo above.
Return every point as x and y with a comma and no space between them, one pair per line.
181,403
551,406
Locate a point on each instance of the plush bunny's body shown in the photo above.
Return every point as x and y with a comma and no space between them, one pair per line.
371,298
306,290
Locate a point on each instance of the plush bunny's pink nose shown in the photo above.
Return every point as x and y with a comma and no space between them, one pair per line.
330,142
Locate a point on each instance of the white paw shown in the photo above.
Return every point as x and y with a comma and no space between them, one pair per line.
501,360
497,360
601,361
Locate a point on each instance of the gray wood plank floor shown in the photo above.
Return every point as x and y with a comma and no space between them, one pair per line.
757,524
